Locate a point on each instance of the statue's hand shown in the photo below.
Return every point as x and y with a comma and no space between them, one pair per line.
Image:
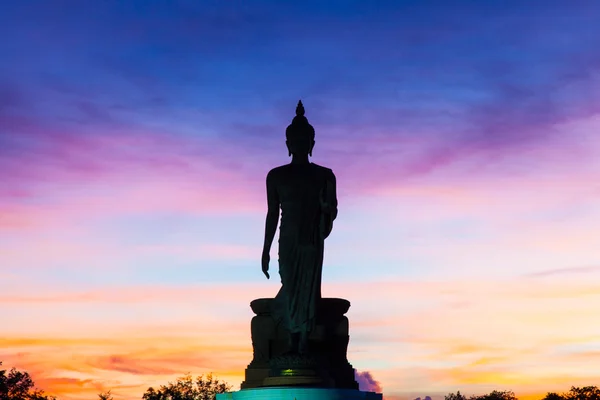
265,264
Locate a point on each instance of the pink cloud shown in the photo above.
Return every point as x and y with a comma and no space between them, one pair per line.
366,382
79,176
135,172
231,293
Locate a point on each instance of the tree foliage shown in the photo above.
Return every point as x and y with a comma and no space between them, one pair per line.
582,393
553,396
496,395
105,396
17,385
186,388
576,393
455,396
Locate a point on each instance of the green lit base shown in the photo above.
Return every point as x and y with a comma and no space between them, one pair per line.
299,393
296,372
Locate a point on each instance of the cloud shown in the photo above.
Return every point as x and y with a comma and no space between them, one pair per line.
500,110
130,364
77,177
230,292
65,388
125,364
565,271
162,342
366,382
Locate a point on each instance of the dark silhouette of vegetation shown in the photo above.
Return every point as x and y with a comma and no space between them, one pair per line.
17,385
553,396
584,393
576,393
495,395
455,396
105,396
186,388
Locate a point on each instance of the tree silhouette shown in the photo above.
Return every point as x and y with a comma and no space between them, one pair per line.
553,396
105,396
455,396
576,393
582,393
17,385
203,388
496,395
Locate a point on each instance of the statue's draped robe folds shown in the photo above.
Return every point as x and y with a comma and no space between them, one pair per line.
306,193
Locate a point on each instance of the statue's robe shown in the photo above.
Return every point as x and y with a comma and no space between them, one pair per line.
301,190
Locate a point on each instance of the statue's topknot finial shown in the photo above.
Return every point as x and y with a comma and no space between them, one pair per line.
300,109
300,125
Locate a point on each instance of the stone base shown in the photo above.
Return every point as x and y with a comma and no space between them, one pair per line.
278,381
299,370
329,341
299,393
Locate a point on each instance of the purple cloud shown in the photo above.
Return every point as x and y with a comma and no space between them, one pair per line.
366,382
151,69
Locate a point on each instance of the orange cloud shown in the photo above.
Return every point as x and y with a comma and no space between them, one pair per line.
76,368
470,335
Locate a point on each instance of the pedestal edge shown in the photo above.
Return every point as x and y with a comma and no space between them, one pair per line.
299,393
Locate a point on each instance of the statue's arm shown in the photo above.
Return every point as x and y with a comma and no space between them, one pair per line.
329,205
333,203
272,213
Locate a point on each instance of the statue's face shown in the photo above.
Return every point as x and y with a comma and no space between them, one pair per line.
300,145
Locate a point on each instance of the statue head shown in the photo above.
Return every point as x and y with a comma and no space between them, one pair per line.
300,135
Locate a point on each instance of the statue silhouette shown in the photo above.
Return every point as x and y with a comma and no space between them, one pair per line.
306,194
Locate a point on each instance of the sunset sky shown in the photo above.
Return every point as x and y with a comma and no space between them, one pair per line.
135,138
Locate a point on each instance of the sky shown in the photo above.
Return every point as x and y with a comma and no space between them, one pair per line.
135,138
